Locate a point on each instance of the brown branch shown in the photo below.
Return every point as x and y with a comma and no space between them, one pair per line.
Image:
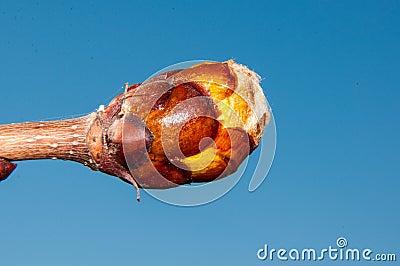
87,140
64,139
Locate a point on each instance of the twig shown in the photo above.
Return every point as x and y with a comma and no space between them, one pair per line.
182,126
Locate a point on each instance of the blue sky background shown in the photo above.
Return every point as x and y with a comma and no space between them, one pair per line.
331,75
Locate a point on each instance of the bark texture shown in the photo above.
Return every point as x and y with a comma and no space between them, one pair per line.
64,139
